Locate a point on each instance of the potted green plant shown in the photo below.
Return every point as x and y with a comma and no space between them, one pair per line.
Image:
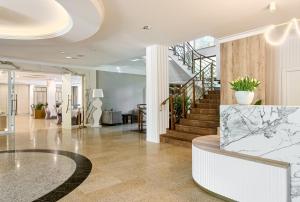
178,106
244,89
39,111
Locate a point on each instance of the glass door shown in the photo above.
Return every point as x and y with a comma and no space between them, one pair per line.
7,102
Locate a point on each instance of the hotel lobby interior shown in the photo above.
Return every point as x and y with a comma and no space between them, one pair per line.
149,101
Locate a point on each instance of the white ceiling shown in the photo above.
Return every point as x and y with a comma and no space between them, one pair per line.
121,36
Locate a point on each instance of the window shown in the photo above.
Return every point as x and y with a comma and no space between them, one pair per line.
203,42
40,95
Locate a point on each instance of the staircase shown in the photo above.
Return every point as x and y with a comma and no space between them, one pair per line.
194,107
202,120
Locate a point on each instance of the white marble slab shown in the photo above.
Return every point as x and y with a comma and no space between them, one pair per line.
271,132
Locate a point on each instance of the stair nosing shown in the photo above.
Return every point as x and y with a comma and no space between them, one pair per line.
190,133
193,126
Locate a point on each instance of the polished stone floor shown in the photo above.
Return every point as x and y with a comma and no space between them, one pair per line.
30,175
125,167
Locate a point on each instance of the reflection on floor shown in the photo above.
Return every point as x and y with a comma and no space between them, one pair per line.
125,167
25,123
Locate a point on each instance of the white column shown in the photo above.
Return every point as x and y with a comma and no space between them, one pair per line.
51,90
66,101
157,90
31,101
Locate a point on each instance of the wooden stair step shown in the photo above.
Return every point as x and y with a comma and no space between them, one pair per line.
203,117
207,106
187,136
175,141
206,124
205,111
214,92
214,96
196,129
212,101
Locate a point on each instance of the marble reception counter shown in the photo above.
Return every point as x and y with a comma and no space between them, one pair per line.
271,132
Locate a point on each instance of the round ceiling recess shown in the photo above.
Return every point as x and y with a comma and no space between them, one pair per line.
33,19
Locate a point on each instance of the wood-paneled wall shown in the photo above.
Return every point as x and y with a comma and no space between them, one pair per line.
243,57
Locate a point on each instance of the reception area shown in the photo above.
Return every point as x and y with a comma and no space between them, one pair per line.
255,156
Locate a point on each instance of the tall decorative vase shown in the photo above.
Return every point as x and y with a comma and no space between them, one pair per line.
244,97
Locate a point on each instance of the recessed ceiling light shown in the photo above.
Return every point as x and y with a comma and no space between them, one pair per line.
68,57
135,59
62,52
147,27
272,6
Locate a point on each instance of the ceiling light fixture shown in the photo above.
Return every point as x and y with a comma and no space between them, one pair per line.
68,57
272,6
62,52
147,27
135,59
289,25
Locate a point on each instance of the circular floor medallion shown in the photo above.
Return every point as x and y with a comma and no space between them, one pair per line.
40,175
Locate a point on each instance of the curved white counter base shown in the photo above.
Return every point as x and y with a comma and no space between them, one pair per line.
237,176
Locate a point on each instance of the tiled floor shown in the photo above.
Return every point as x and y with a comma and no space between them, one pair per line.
125,167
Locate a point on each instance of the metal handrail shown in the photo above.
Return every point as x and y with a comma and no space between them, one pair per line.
202,56
185,84
202,81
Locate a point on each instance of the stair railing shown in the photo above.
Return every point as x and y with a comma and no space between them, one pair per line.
191,57
142,115
189,93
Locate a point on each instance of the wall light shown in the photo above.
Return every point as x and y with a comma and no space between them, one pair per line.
289,25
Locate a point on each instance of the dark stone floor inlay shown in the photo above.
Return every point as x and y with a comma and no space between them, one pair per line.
82,171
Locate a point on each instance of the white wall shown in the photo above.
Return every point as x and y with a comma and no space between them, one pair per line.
208,51
177,74
282,58
51,90
122,92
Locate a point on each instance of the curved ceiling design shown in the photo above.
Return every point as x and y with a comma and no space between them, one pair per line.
18,21
49,19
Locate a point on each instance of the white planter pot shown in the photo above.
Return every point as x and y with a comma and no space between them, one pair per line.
244,97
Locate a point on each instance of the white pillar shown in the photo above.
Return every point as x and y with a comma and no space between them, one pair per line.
31,101
157,90
66,101
51,90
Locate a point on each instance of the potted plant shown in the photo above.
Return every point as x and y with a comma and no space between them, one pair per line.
39,111
244,89
178,106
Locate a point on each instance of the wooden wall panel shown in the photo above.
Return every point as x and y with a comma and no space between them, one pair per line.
243,57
